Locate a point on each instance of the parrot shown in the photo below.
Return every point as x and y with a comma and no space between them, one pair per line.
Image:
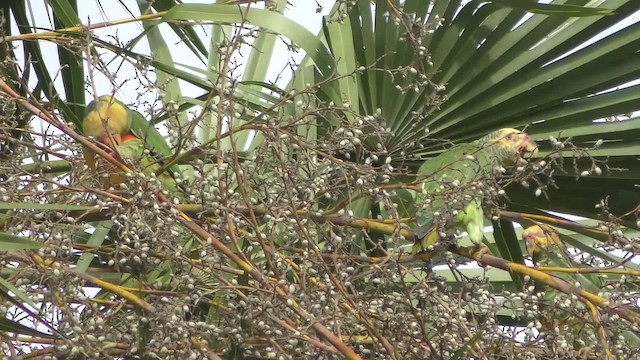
133,149
107,113
135,152
547,250
455,178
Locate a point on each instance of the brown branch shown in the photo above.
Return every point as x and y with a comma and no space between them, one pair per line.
549,280
253,272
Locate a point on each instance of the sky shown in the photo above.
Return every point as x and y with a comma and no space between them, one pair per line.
90,13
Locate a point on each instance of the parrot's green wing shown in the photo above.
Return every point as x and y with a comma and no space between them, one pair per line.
133,150
558,257
454,182
547,250
447,197
144,130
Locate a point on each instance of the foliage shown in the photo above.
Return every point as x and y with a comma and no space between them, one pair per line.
292,237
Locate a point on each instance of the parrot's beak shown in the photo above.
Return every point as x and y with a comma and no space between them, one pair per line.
527,146
530,242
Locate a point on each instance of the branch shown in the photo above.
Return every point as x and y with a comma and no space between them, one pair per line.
549,280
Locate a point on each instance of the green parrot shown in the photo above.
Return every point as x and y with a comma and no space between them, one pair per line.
455,178
133,150
107,113
547,250
110,122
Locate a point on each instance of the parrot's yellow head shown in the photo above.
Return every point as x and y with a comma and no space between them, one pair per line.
540,238
512,144
107,113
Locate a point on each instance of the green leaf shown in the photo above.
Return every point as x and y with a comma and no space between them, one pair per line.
405,201
462,352
7,290
47,206
508,244
95,240
554,9
230,14
9,242
66,15
10,326
160,53
65,12
187,34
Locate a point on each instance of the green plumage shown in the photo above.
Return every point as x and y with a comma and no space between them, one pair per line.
451,183
444,175
551,252
133,150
